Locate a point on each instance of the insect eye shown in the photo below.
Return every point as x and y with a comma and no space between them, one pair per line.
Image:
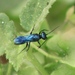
43,35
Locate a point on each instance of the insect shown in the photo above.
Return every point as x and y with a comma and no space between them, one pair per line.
32,38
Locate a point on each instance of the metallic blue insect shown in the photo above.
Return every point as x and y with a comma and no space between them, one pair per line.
32,38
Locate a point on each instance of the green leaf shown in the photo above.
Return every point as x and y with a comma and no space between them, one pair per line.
64,70
28,70
57,45
39,57
34,12
50,67
4,39
70,37
7,32
63,46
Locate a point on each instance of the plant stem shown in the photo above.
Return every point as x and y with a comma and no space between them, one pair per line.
9,69
1,70
37,65
47,55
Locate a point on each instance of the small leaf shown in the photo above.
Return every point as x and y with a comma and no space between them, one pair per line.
64,70
34,12
58,45
28,70
7,32
69,36
3,35
64,46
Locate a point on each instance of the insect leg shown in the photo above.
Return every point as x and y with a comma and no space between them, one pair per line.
42,43
39,44
28,46
32,30
24,47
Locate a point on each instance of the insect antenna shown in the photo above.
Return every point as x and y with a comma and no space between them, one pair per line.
52,30
49,33
57,27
